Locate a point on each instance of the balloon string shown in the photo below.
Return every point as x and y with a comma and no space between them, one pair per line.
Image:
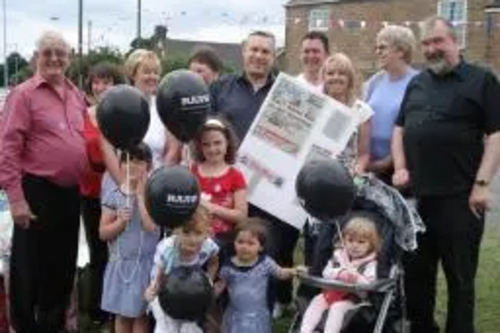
127,180
342,242
186,155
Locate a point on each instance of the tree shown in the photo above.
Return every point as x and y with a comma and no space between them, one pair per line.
100,54
2,79
15,63
141,43
17,66
105,53
23,74
173,62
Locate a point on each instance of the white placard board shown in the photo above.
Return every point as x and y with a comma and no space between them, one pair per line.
295,124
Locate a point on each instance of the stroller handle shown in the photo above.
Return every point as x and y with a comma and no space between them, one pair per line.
380,285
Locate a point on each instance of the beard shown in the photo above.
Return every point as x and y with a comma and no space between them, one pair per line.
437,63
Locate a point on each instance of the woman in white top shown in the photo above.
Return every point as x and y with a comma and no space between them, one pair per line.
342,83
142,69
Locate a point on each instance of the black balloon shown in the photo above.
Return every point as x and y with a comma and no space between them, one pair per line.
172,196
325,188
186,294
123,116
183,103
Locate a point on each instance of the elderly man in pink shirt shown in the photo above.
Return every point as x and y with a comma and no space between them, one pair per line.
42,159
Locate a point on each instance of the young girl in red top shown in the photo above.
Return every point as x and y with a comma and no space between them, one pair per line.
101,77
223,186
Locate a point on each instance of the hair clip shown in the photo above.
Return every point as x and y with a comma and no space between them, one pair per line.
214,122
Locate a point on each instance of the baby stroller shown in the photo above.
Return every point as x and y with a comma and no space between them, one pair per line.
381,308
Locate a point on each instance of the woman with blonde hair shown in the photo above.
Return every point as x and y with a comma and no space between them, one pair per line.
342,83
385,90
142,70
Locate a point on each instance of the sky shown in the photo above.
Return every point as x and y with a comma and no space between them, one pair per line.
114,23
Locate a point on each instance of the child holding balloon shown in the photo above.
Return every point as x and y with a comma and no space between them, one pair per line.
246,276
190,245
132,238
223,186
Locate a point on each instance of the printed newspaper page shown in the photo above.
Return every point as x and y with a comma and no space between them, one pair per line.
288,117
294,125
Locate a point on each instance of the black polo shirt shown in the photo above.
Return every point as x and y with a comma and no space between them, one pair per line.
233,96
445,119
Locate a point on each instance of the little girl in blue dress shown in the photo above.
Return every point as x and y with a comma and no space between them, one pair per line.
246,277
132,238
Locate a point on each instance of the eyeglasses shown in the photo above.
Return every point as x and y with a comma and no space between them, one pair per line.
49,53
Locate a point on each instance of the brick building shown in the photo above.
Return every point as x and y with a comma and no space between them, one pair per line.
352,26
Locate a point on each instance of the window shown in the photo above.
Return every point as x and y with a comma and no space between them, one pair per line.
456,12
319,19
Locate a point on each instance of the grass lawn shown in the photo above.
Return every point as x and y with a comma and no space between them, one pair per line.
487,283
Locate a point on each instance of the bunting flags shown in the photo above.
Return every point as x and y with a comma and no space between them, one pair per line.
349,24
323,23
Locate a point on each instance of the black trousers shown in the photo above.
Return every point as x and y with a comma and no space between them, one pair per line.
453,237
43,260
281,241
91,213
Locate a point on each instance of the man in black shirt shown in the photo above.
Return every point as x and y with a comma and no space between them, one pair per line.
446,143
238,97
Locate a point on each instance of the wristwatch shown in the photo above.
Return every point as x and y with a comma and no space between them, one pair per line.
481,182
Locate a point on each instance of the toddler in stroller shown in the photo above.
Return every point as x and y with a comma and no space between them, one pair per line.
374,303
353,262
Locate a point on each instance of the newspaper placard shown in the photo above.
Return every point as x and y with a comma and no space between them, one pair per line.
295,124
